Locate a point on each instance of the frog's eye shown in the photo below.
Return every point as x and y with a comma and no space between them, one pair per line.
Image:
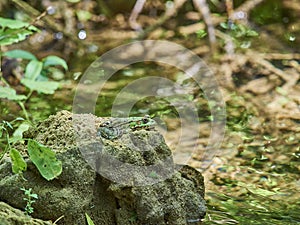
105,124
146,119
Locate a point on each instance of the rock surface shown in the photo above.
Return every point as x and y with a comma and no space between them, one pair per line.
12,216
137,181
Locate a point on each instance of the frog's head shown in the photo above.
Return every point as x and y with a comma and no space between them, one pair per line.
144,123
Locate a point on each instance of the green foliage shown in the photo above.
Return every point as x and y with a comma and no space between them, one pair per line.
83,15
10,94
18,53
53,60
18,133
36,78
258,191
18,163
44,159
29,200
240,33
89,220
36,71
239,30
33,70
201,34
45,87
13,31
5,139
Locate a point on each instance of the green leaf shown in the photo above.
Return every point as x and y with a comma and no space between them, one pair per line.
252,33
56,74
224,25
34,196
201,33
83,15
33,69
89,220
53,60
8,124
10,36
45,87
18,133
15,24
44,159
20,54
10,94
18,163
12,31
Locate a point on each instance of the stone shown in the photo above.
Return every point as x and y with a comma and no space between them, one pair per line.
12,216
129,180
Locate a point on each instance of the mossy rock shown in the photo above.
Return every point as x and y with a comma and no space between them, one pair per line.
155,191
12,216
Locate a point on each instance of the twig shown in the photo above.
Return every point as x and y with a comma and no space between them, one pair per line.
170,12
137,9
269,66
35,13
202,7
290,77
229,44
58,219
280,56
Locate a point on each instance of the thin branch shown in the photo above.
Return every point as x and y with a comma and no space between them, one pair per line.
137,9
170,12
202,7
49,21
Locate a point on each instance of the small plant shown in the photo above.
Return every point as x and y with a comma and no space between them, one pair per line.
6,140
37,72
42,157
13,31
240,33
29,200
35,77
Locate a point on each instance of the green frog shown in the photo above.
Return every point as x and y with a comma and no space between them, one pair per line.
116,127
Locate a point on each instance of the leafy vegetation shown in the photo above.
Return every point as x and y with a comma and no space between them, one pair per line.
256,181
35,77
18,163
13,31
30,199
44,159
241,34
37,71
